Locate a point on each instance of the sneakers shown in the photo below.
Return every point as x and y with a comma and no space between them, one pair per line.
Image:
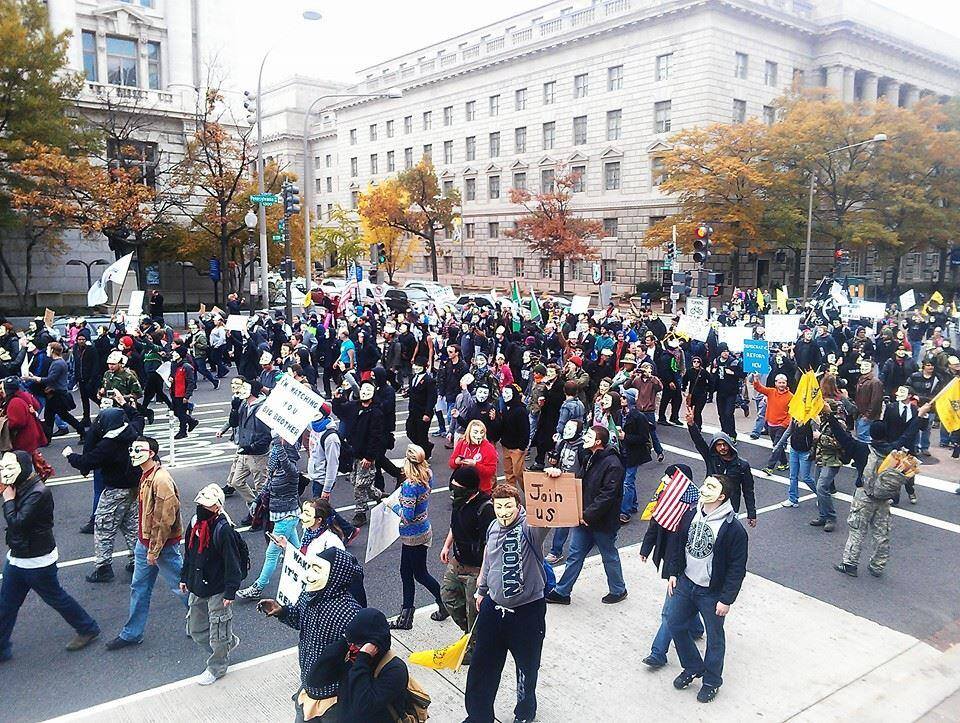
684,680
180,435
552,559
359,520
829,526
119,643
660,457
707,693
624,519
103,573
556,598
253,592
611,599
913,498
87,529
768,470
846,569
653,663
206,678
228,491
754,435
440,614
783,467
818,522
81,641
788,503
130,565
874,572
352,536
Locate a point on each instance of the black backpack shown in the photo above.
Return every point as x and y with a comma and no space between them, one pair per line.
242,548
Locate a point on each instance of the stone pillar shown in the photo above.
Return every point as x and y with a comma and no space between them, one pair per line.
849,85
62,16
891,93
835,80
912,96
870,83
178,64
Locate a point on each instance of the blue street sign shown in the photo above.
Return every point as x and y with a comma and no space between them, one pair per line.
359,272
215,269
153,275
955,257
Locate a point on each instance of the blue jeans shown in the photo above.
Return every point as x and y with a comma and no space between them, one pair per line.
862,429
582,542
169,564
288,528
17,582
629,504
560,536
661,642
690,599
800,464
652,418
825,508
761,423
97,490
534,421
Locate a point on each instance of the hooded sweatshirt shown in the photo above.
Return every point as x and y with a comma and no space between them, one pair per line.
700,542
364,696
512,573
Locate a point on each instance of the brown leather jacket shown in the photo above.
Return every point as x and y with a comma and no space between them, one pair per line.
869,397
159,509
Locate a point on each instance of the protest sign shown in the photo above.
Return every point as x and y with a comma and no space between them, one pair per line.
293,576
237,322
163,371
698,307
579,304
782,327
48,316
290,407
860,309
136,303
734,336
552,501
756,356
384,526
217,310
694,328
908,300
131,322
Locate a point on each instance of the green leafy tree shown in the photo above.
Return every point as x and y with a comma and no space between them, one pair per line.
340,237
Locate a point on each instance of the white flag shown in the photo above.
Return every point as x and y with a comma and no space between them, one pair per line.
116,272
838,294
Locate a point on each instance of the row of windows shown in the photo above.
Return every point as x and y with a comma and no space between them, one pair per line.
771,71
521,269
122,61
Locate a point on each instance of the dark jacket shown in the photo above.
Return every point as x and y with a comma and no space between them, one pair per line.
469,524
448,379
423,396
253,436
602,479
363,696
635,445
216,570
515,425
107,448
729,556
29,516
366,431
859,451
728,377
737,469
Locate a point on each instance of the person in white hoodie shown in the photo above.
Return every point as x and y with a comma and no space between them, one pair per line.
706,561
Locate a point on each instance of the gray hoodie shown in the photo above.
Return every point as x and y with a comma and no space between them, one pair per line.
512,570
701,539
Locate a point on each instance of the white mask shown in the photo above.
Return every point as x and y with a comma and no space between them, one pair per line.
417,369
481,361
139,453
106,402
482,394
507,394
9,468
366,391
318,574
606,402
245,390
265,358
569,430
589,439
476,435
505,509
902,394
308,516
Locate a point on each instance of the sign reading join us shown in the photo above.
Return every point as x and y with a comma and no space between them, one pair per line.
552,501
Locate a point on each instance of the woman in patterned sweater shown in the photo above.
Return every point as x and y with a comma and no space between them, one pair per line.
416,535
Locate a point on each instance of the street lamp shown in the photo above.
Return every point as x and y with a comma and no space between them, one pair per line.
88,266
878,138
262,210
308,181
184,265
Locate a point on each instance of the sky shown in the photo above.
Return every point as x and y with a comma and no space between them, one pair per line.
354,34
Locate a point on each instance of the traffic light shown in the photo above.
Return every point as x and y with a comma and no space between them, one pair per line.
671,251
682,283
291,199
286,268
701,243
713,283
841,257
381,253
250,105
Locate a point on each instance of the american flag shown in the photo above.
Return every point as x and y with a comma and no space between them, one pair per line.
675,499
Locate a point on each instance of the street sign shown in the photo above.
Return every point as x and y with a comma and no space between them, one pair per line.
265,199
282,225
359,272
597,273
277,237
698,307
153,275
215,269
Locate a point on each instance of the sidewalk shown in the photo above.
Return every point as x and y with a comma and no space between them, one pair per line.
789,657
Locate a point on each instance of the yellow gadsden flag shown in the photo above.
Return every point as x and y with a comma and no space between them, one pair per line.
760,300
807,402
450,657
782,299
948,406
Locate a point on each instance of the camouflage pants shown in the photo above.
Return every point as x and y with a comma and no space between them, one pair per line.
116,510
871,518
210,624
363,489
457,591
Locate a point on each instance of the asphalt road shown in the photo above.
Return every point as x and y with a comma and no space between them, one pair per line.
916,596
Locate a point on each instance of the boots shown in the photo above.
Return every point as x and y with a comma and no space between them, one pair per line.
441,614
404,620
87,529
103,573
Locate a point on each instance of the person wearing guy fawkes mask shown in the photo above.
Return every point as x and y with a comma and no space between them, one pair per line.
485,409
707,562
423,399
565,457
511,611
483,376
363,419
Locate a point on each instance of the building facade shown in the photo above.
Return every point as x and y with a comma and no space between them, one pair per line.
598,87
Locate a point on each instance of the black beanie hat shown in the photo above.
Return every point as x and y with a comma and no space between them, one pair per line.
467,477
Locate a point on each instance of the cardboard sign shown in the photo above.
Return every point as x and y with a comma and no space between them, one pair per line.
734,336
293,574
202,310
48,317
552,501
908,300
579,304
782,328
756,356
290,407
136,303
217,310
694,328
384,527
698,307
237,322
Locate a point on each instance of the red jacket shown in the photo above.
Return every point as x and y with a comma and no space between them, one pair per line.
486,464
26,433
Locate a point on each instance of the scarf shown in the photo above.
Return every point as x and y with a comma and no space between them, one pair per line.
311,534
320,424
201,534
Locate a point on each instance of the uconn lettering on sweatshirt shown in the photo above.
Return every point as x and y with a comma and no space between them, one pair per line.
512,569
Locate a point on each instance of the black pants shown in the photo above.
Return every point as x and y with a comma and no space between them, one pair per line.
153,389
418,431
85,405
57,404
520,632
698,405
384,463
181,413
673,398
413,567
726,406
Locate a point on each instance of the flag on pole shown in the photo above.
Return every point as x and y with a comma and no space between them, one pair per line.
450,657
761,302
948,406
515,298
807,401
675,499
116,272
534,306
782,298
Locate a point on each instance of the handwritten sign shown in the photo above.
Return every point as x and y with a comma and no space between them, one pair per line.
694,328
290,407
48,316
293,576
908,300
136,303
756,356
237,322
782,328
552,501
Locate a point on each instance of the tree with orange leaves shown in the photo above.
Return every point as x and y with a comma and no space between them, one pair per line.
551,229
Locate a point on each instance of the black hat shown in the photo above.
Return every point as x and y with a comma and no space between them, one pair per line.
467,477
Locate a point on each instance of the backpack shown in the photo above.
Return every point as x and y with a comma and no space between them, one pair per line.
416,700
242,549
882,480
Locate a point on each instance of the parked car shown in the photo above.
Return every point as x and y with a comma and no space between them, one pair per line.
438,292
333,286
399,300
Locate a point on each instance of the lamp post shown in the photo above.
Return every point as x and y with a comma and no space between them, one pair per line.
184,265
88,266
308,182
878,138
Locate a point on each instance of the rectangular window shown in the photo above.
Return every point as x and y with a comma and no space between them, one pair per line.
547,177
353,136
494,144
615,78
470,189
448,264
549,135
122,62
610,227
494,105
613,124
328,160
391,162
573,269
448,152
520,180
471,265
469,230
373,131
153,65
520,99
658,171
611,175
329,184
579,130
471,148
739,111
493,187
428,151
493,266
580,180
353,167
580,85
447,187
470,110
90,56
448,115
769,115
427,120
408,124
137,157
389,129
493,229
518,270
329,210
549,92
798,78
354,199
546,269
741,63
661,116
373,163
520,140
408,158
770,73
610,270
662,71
